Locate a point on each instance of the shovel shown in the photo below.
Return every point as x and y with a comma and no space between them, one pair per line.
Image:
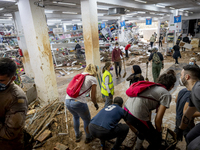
124,69
146,79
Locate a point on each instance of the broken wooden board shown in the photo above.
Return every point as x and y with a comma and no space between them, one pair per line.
44,135
61,147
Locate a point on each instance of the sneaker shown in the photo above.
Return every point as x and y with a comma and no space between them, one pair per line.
117,77
78,138
88,140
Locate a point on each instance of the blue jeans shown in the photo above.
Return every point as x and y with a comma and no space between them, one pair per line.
78,109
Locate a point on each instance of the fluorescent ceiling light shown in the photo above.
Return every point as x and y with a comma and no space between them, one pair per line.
56,20
1,9
100,14
141,1
171,7
158,5
102,8
152,13
104,20
181,9
186,14
55,2
76,19
128,10
8,15
141,12
48,11
9,0
129,16
69,12
161,14
187,11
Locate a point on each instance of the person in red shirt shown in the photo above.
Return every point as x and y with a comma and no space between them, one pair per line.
117,59
127,48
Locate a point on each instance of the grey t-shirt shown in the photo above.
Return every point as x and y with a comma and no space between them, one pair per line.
195,96
141,107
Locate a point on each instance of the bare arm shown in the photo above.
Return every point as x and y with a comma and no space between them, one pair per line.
187,117
196,114
159,117
93,93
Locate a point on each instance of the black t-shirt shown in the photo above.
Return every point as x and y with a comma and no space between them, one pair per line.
183,97
176,48
77,47
195,96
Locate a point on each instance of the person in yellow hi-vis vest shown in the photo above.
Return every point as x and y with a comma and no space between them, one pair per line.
107,88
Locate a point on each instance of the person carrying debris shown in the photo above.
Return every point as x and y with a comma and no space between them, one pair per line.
107,88
157,63
77,104
116,53
105,125
127,48
190,76
13,108
152,40
145,97
186,40
136,75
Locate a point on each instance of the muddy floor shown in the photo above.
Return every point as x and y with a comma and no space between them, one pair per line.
120,87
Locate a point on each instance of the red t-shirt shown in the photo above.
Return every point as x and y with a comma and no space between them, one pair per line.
127,46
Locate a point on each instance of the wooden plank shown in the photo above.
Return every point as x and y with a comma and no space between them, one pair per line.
44,135
61,147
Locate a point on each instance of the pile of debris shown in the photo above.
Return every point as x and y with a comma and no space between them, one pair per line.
105,56
47,123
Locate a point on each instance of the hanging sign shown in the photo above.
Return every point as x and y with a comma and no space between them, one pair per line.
122,23
149,21
74,27
103,25
177,19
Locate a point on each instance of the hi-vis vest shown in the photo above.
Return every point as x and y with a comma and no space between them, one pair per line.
110,84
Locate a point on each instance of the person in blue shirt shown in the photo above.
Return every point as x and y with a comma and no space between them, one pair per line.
105,124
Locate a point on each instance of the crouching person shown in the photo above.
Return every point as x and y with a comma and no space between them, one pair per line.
105,124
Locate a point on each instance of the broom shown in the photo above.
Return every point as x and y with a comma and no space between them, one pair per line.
124,69
146,73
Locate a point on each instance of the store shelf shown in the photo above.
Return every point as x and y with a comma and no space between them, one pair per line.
68,39
73,31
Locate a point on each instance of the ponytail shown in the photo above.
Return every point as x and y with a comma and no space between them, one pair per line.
107,64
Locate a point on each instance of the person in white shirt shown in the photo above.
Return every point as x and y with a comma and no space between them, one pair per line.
78,106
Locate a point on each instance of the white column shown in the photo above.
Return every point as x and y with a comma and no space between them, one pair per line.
90,34
22,45
158,31
38,44
121,35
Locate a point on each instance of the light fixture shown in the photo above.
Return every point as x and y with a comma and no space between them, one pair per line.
181,9
9,0
55,2
100,14
191,12
8,15
171,7
102,8
129,16
1,9
161,14
141,12
141,1
69,12
16,3
187,11
54,20
152,13
48,11
76,19
158,5
104,20
186,14
128,10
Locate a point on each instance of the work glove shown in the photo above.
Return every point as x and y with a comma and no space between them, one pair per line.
179,134
147,62
110,96
162,66
97,106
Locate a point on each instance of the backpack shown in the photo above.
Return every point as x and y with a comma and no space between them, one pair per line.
156,58
138,87
74,87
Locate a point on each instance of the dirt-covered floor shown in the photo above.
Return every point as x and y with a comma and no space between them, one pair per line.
121,86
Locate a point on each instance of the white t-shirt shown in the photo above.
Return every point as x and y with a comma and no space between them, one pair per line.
141,107
89,81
